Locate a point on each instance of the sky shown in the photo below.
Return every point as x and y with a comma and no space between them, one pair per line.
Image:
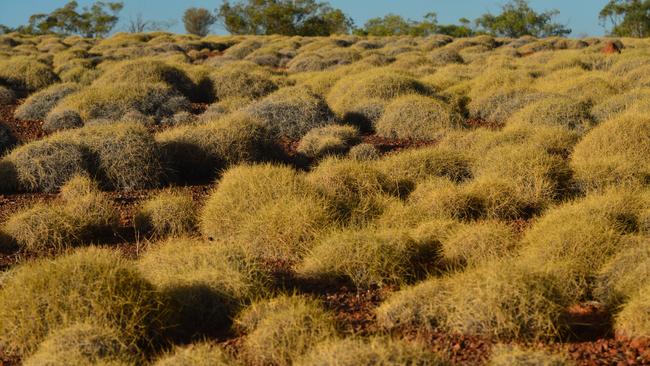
579,15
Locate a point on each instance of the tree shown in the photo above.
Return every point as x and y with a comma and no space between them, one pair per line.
198,21
139,25
395,25
285,17
518,19
628,18
93,22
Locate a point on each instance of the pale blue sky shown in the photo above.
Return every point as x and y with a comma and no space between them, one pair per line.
580,15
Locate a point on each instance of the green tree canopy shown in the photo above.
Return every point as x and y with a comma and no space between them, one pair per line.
198,21
94,21
628,18
395,25
518,19
286,17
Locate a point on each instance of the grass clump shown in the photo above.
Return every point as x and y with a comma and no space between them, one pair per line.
501,105
516,356
167,213
292,112
200,354
556,111
82,343
38,105
206,283
498,299
369,257
281,330
46,165
270,211
417,117
25,74
372,351
328,140
73,220
573,241
199,152
242,80
7,96
634,319
91,285
620,103
418,164
615,152
477,243
65,119
364,152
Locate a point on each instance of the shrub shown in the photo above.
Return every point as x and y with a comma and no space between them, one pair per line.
328,140
499,300
613,153
46,165
73,221
91,285
122,156
206,283
417,117
369,257
373,351
241,80
624,275
573,241
634,319
7,96
352,186
516,356
268,210
280,330
199,152
112,101
201,354
559,110
147,71
292,112
475,244
82,343
25,74
65,119
418,164
364,152
38,105
167,213
351,96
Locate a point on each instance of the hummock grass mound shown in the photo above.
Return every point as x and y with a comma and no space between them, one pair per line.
499,299
620,103
7,96
417,117
418,164
25,74
91,285
364,152
372,351
200,354
503,355
242,80
206,283
556,111
267,210
624,275
370,256
167,213
38,105
113,101
143,71
354,97
81,214
200,152
613,153
328,140
634,319
573,241
478,243
280,330
292,112
83,344
501,105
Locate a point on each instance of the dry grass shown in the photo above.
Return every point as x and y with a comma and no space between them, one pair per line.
167,213
372,351
516,356
239,79
634,318
38,105
26,74
91,285
478,243
556,111
200,354
7,96
329,140
418,164
501,105
281,330
364,152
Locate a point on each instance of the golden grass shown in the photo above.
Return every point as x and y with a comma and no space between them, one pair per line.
167,213
199,354
26,74
329,140
504,355
634,319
